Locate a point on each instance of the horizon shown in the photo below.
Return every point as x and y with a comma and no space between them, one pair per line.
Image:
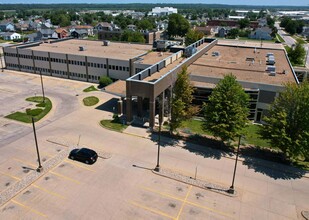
211,2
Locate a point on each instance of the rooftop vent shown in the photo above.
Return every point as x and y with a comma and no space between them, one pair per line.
82,48
215,53
106,43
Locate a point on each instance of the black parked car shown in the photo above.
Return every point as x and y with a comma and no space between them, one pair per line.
85,155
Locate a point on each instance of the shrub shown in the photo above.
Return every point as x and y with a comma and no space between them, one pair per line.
105,81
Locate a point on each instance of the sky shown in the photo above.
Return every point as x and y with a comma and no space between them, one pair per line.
229,2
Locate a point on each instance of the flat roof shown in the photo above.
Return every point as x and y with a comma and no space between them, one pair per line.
157,75
154,57
115,50
238,61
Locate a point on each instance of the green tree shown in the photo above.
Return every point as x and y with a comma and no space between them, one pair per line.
284,21
226,114
270,21
181,100
132,36
104,81
297,54
287,125
145,24
233,33
193,36
243,23
177,25
291,27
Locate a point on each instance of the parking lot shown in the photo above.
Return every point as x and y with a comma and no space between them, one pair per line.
73,184
123,186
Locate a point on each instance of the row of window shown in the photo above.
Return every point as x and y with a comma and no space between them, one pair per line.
72,62
58,72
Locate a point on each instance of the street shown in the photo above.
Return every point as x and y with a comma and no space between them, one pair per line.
289,41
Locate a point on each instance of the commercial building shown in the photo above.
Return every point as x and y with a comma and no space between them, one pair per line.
158,11
82,60
146,78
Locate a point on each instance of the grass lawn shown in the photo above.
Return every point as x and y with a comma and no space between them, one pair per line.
37,113
90,101
279,38
113,125
251,137
95,37
90,89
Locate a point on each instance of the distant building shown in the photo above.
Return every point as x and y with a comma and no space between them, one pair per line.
230,23
158,11
62,33
263,33
10,36
7,26
80,34
87,28
103,26
222,32
236,17
207,30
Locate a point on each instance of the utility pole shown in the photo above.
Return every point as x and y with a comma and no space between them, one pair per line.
37,148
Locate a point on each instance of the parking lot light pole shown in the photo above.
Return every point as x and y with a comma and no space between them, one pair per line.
157,168
231,189
42,86
37,148
159,144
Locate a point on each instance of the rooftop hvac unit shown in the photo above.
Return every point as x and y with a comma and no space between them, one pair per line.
269,54
82,48
272,73
271,69
106,42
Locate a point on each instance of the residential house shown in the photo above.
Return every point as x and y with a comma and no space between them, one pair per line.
305,31
87,28
80,34
62,33
103,26
262,22
263,33
7,26
48,34
10,36
222,32
110,35
43,34
207,30
131,27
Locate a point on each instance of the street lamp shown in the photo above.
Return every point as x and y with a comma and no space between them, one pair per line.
231,189
42,86
157,168
37,148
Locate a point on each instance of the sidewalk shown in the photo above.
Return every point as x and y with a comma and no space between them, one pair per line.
251,162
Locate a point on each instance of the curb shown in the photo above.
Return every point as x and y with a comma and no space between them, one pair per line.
198,183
